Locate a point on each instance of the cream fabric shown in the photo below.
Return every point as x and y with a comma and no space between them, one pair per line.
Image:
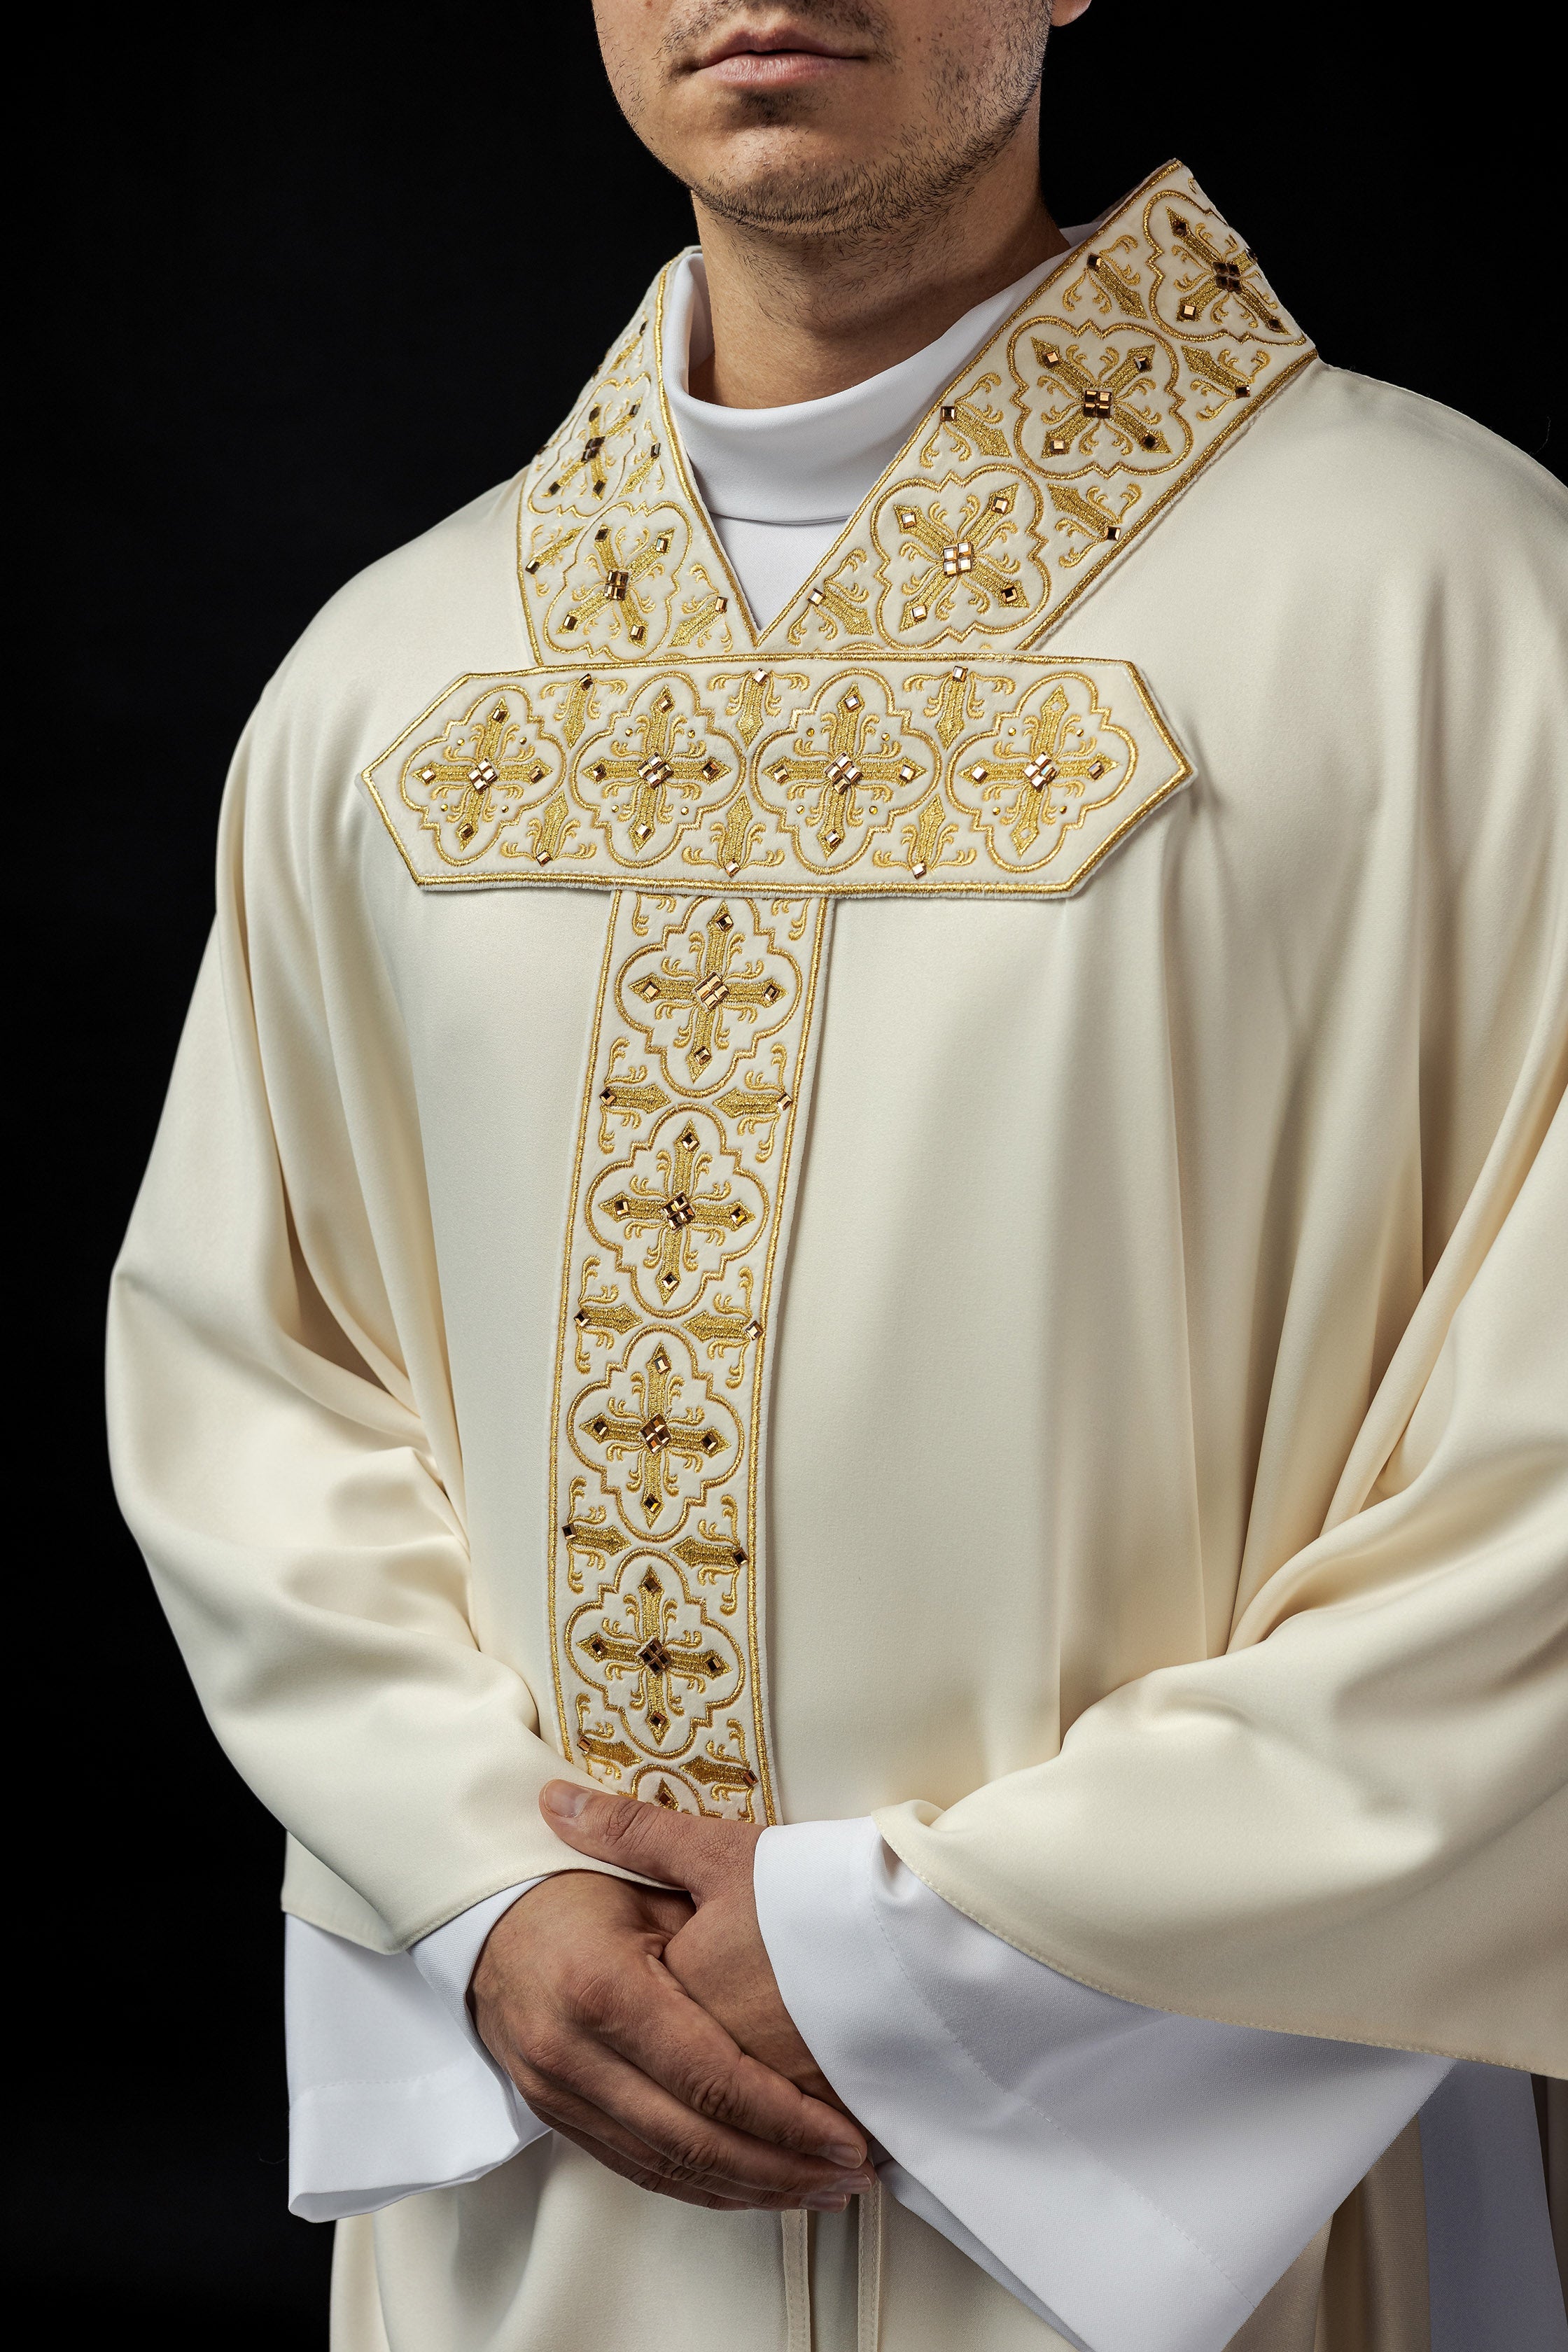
1141,2181
1172,1281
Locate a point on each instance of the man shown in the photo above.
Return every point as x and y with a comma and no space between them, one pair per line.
936,1218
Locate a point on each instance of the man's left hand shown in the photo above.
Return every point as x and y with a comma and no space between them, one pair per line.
718,1957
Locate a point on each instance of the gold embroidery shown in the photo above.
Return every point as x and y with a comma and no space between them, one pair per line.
703,1025
843,765
848,777
892,730
1168,338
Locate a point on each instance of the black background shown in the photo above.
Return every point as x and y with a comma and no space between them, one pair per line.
314,278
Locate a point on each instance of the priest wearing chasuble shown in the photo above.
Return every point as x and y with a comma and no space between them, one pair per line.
843,1361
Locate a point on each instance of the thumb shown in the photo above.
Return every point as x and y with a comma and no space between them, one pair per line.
647,1839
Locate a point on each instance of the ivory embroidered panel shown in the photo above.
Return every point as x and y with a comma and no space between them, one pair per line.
679,1207
891,732
808,776
1093,406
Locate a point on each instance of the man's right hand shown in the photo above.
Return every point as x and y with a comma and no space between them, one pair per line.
572,1997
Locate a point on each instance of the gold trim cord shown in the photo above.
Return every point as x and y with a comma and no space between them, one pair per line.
678,1209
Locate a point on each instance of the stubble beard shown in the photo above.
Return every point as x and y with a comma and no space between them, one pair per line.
903,191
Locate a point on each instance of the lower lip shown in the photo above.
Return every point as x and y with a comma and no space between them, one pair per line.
773,68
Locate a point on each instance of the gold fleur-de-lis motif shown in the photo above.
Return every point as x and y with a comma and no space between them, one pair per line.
1217,369
754,700
590,1533
954,705
963,555
627,1096
719,1772
714,1554
974,431
601,1744
727,1328
925,842
1097,400
601,1319
1220,276
757,1103
834,603
1087,513
549,834
671,759
1111,283
577,701
735,837
835,777
699,615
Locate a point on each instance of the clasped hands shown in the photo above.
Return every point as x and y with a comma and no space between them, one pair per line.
645,2023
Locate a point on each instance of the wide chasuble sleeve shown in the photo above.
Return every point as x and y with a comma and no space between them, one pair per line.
1159,1226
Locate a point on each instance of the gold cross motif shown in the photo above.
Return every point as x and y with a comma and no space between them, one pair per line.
589,461
661,766
1223,275
464,785
617,589
1100,400
657,1444
706,990
679,1215
1053,758
840,773
651,1651
950,560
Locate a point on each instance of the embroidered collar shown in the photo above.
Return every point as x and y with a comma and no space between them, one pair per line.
1092,406
661,738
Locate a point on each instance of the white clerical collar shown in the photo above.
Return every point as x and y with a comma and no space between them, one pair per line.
814,461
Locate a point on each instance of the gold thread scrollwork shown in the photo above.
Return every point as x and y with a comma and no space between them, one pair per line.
1043,769
845,765
489,766
682,1175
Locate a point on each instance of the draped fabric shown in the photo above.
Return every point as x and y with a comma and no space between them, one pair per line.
1154,1433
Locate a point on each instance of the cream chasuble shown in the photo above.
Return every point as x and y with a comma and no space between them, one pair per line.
1071,1371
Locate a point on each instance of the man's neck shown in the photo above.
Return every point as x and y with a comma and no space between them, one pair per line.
796,319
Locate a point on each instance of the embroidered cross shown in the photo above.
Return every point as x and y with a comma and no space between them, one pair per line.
1100,400
670,1216
617,587
1223,274
950,560
842,772
1053,757
589,460
656,1443
464,784
654,1653
661,766
705,991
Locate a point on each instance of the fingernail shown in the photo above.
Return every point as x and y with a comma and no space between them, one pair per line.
843,2151
826,2203
565,1799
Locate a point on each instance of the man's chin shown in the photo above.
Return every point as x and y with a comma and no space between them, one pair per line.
812,190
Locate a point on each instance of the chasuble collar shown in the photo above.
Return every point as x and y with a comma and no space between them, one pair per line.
900,728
